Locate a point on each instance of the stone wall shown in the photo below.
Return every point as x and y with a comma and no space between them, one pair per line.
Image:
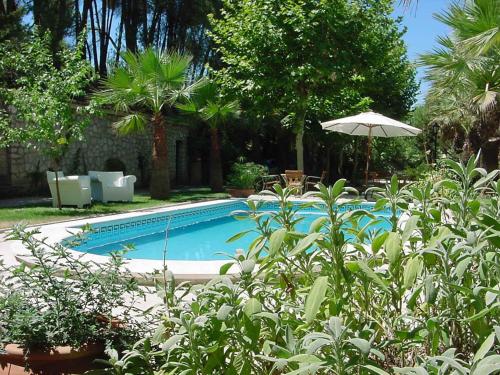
102,143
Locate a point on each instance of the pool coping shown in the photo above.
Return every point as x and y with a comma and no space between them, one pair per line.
141,269
145,270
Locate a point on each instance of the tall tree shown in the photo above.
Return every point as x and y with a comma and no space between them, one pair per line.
55,16
142,92
281,56
11,27
43,96
215,111
465,75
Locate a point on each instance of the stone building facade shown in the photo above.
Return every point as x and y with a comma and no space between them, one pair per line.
22,170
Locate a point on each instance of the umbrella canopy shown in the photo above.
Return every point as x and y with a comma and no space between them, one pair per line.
362,124
370,124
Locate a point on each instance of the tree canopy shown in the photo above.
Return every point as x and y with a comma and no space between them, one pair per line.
43,96
310,58
464,72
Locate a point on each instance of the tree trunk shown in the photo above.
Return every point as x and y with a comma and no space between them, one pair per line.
58,192
160,176
94,39
354,175
216,183
130,16
102,38
299,147
490,155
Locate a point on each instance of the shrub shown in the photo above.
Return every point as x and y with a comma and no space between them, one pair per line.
62,300
245,175
345,297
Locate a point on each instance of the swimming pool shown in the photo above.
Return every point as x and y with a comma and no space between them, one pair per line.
195,233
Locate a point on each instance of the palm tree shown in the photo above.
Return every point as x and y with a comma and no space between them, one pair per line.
208,104
465,76
142,91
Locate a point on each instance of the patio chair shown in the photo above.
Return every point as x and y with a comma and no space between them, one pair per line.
74,190
294,179
311,181
112,186
269,181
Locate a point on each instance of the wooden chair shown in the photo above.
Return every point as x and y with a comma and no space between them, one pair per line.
269,181
294,179
311,181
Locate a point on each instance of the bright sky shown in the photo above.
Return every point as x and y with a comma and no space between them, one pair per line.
422,31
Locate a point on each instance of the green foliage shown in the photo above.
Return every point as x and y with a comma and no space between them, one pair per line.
62,300
149,81
297,60
245,175
343,297
209,106
11,27
142,92
464,74
43,96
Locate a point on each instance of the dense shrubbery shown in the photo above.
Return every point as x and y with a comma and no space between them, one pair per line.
62,300
245,175
420,299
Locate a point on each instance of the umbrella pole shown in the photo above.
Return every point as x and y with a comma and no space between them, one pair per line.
369,151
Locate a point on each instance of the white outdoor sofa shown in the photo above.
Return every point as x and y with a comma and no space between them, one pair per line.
74,190
112,186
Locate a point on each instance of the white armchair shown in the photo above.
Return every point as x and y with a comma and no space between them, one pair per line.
74,190
112,186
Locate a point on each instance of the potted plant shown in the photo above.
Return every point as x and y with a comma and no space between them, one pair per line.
243,178
59,313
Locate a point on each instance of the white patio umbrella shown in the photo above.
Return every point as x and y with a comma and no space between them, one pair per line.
370,124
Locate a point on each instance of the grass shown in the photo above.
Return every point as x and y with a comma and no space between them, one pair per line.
45,213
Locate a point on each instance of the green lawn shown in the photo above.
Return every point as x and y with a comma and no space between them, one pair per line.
45,213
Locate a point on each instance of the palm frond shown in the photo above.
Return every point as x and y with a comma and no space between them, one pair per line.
188,107
148,81
131,123
475,24
486,101
174,67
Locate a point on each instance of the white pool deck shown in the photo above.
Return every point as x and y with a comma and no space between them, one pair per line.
14,252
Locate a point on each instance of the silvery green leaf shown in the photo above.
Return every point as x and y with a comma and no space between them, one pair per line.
276,240
315,345
224,311
247,265
315,298
171,342
417,370
410,226
362,344
376,370
484,348
308,369
378,354
335,325
304,358
252,306
393,247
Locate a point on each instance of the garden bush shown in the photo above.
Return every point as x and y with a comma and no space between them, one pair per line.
245,175
344,297
58,299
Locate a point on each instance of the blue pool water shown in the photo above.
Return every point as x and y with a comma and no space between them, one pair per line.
194,234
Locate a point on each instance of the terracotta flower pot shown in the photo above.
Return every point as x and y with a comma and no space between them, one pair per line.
240,193
114,323
61,360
